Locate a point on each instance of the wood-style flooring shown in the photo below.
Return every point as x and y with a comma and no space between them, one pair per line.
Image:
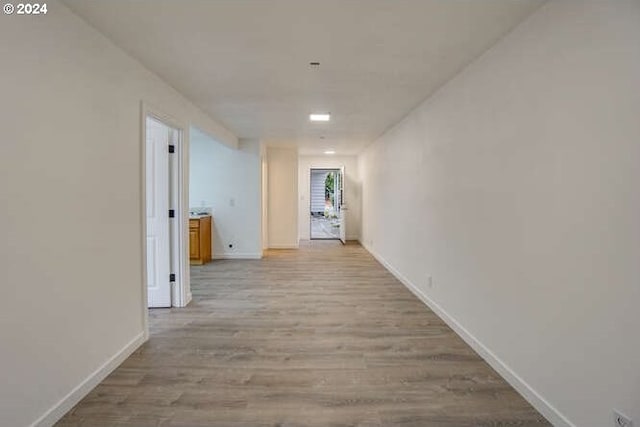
320,336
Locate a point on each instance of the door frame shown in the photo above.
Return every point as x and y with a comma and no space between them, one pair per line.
311,169
343,206
178,174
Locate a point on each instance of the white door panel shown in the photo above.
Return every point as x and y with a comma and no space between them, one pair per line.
342,206
158,244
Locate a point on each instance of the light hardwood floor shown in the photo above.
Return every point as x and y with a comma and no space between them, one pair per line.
321,336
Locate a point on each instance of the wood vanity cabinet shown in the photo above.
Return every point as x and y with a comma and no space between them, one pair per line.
200,240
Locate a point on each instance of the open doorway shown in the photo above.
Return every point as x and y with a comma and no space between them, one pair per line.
164,235
325,200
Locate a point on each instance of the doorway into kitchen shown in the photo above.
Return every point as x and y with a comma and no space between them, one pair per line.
164,219
325,199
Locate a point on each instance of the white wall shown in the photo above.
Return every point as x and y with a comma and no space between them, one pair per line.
352,191
516,187
71,221
265,196
228,180
282,187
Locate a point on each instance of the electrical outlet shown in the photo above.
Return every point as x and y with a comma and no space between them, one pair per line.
621,420
430,281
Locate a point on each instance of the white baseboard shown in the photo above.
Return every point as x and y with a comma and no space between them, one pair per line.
256,255
554,416
58,410
293,246
189,298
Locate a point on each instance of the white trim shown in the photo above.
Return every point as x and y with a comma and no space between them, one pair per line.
58,410
553,415
239,256
294,246
143,218
185,271
181,289
179,260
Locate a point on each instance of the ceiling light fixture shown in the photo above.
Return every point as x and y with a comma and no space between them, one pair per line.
320,117
329,152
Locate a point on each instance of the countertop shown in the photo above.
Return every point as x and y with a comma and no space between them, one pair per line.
198,216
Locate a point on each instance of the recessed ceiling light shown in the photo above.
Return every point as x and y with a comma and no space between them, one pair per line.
320,117
329,152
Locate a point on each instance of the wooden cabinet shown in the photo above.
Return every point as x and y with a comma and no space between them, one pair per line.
200,240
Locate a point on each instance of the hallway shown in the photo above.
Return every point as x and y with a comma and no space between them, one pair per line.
319,336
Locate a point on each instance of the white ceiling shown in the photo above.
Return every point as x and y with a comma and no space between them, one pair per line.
246,62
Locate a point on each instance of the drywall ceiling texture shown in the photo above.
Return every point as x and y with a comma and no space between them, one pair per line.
351,197
228,181
379,58
516,188
71,247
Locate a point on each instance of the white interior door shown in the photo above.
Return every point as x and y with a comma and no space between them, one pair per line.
158,238
342,206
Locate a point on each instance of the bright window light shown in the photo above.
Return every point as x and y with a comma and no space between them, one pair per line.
320,117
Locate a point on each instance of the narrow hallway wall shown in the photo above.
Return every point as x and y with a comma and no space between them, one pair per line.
515,190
